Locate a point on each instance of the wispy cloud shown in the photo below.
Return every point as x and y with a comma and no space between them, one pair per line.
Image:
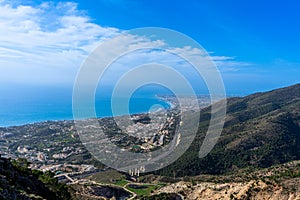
47,36
229,64
46,43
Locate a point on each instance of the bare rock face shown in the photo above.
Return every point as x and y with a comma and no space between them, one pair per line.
228,191
90,192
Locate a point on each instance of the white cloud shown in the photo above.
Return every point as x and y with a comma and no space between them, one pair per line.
48,42
229,64
36,39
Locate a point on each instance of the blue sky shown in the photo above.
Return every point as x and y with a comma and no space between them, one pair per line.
255,43
250,30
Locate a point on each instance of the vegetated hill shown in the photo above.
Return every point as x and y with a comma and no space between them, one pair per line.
19,182
261,130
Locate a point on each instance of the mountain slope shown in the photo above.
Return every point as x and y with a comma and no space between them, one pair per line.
261,130
19,182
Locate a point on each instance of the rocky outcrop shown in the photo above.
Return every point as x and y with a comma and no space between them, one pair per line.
227,191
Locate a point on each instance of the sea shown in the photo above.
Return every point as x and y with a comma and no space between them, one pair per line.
27,105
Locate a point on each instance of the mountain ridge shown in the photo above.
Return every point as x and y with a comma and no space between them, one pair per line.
260,130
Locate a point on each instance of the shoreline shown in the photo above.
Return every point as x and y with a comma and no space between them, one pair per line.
170,106
167,99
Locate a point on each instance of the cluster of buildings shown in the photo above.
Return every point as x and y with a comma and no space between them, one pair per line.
52,146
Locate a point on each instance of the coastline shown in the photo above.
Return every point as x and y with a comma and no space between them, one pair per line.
25,122
169,102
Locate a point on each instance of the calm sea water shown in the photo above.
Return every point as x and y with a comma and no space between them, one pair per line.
22,105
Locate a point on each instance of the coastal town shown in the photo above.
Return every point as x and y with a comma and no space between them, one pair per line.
56,146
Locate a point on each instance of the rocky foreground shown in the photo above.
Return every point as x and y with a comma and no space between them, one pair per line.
248,190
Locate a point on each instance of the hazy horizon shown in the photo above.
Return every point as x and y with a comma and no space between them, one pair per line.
44,44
